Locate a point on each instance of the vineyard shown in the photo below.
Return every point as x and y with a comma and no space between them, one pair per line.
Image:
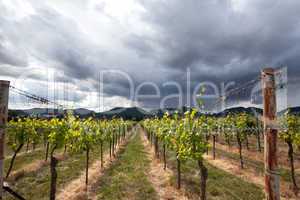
180,155
149,100
55,141
186,145
235,140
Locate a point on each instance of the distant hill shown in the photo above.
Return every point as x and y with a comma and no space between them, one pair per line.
236,110
134,113
16,113
171,111
82,112
161,112
293,111
44,112
38,111
48,113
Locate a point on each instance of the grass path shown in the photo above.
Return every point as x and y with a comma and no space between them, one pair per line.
127,177
257,161
34,166
29,161
24,158
253,172
35,184
136,175
221,185
245,174
9,155
159,177
76,189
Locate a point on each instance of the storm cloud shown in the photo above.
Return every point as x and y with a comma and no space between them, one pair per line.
157,41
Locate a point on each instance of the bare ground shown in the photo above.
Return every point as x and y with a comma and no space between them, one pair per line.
160,178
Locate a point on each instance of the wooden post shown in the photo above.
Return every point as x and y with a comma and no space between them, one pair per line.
272,176
4,88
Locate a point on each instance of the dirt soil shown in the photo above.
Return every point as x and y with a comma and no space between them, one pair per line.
160,178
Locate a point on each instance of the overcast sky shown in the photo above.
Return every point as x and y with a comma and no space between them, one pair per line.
157,42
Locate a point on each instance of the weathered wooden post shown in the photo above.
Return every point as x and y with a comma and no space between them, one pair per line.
272,176
4,88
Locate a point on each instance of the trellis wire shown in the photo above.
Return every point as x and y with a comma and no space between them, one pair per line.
34,97
247,85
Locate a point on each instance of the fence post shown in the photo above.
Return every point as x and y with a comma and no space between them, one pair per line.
272,176
4,88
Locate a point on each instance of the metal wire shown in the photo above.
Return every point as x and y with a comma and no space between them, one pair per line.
34,97
236,90
242,88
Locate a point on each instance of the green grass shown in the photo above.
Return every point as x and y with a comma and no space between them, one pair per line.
9,152
126,179
25,158
257,165
220,184
35,185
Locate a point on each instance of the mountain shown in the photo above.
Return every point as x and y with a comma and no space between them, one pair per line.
83,111
36,111
253,110
116,109
17,113
161,112
293,111
133,113
171,111
236,110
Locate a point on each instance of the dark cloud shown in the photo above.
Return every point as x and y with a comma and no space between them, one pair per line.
212,34
142,45
10,56
216,40
50,36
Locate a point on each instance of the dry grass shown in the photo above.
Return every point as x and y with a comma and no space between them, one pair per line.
32,167
77,190
247,174
258,157
160,178
127,178
23,152
283,159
